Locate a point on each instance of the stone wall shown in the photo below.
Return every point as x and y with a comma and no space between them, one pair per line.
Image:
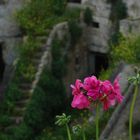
9,31
100,7
133,7
131,25
98,34
10,34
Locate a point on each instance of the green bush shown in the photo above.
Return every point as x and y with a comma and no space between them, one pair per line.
58,63
22,132
75,31
37,16
115,38
55,92
35,113
128,50
119,10
59,6
88,16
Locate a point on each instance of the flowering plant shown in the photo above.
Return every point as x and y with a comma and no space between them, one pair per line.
94,91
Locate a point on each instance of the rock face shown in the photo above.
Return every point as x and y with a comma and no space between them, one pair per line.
9,32
98,34
133,7
116,128
131,25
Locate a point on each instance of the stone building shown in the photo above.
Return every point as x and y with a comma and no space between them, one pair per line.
10,36
97,34
131,25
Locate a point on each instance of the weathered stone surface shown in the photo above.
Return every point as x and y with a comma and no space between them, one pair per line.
130,26
133,7
100,7
8,26
116,128
97,37
9,54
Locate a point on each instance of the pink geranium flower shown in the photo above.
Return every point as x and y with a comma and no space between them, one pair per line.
80,100
76,89
91,85
117,90
96,91
107,96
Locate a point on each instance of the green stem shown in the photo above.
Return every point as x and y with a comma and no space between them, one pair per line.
131,111
84,137
97,122
68,132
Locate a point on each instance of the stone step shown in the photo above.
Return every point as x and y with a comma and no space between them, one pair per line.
26,86
42,49
8,128
27,96
16,119
38,55
25,91
36,61
24,80
22,103
42,39
19,111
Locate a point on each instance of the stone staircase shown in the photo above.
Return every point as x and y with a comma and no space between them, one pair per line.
27,88
40,60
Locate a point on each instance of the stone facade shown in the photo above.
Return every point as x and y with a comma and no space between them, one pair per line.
9,31
98,34
131,25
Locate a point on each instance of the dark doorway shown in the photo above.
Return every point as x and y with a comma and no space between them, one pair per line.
75,1
96,63
2,64
101,63
95,24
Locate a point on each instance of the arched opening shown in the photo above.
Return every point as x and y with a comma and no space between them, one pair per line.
101,63
2,64
96,63
75,1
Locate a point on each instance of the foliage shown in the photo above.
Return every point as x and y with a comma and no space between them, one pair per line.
58,64
58,7
22,132
75,31
119,10
115,38
88,16
127,50
46,13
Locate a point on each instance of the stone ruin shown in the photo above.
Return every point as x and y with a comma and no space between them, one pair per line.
10,36
94,40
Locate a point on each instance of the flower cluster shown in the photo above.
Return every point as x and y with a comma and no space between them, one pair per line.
93,90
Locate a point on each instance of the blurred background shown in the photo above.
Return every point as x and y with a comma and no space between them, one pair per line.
45,45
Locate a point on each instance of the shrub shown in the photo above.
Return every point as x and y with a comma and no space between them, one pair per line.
22,132
35,113
58,7
36,16
88,16
75,31
127,50
119,10
58,63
